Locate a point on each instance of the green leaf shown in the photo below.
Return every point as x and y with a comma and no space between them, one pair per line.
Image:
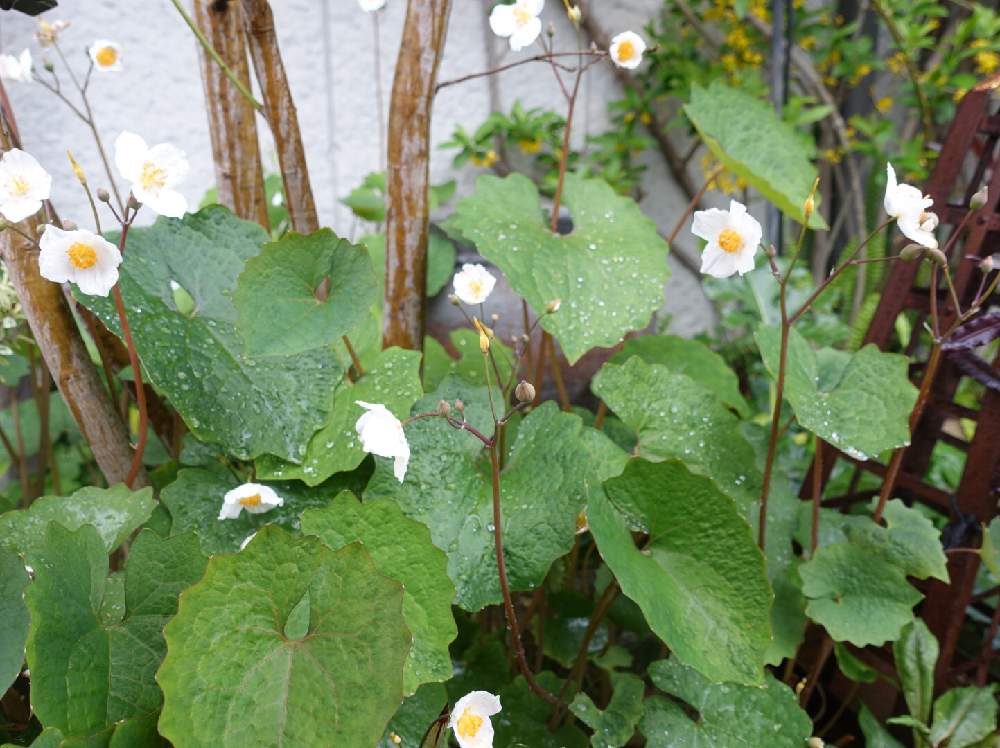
440,259
859,403
990,550
278,295
522,722
964,716
852,666
252,686
401,549
115,512
87,675
699,578
690,357
194,500
393,380
14,614
250,405
916,654
729,715
857,595
749,138
568,613
788,613
613,727
12,368
876,736
609,272
909,540
675,417
50,737
413,718
438,363
549,473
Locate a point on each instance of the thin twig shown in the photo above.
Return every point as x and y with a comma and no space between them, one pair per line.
545,57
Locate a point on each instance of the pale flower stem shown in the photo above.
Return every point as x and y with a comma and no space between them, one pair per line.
489,388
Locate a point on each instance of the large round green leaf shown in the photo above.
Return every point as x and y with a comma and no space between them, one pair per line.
698,577
250,405
609,272
402,550
14,614
287,643
552,467
303,292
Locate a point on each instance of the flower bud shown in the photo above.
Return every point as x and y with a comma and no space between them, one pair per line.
815,742
453,299
68,225
988,264
494,318
133,203
524,392
77,170
553,306
911,252
979,199
460,406
937,257
49,67
443,407
103,195
575,15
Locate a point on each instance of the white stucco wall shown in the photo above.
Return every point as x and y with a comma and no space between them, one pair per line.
329,53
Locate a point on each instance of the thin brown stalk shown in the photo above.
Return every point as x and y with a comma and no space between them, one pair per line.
694,202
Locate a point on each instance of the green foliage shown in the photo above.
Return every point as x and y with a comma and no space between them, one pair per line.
729,715
438,363
14,614
964,716
745,134
916,654
302,293
859,403
356,639
990,550
608,273
401,549
613,727
698,575
440,259
876,736
226,396
414,717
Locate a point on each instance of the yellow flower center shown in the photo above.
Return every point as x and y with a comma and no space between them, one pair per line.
19,186
475,287
106,56
81,255
469,724
153,176
251,500
626,50
730,241
521,15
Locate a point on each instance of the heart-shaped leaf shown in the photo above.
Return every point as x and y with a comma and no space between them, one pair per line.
608,273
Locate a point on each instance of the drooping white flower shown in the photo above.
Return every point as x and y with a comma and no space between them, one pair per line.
908,205
382,434
23,185
253,497
626,50
81,257
473,283
518,22
16,68
107,56
153,172
47,33
470,719
733,238
371,5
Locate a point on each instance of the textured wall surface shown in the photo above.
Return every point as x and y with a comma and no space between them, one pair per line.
330,52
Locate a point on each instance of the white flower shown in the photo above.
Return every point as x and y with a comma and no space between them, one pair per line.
48,33
107,56
382,434
16,68
371,5
733,237
908,206
470,719
519,21
23,185
80,257
153,172
626,50
473,284
253,497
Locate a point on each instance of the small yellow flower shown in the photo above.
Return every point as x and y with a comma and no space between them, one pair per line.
530,146
485,161
645,118
987,62
959,94
808,42
884,104
896,63
832,155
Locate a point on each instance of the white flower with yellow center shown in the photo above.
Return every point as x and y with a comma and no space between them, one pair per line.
107,56
24,184
518,22
382,434
733,237
80,257
371,5
908,205
47,33
473,284
153,172
252,497
626,50
470,719
16,69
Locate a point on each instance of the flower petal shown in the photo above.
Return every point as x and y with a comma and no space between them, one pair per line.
130,155
502,20
708,223
525,35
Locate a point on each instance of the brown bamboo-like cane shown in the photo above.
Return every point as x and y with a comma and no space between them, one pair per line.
239,176
279,109
409,146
